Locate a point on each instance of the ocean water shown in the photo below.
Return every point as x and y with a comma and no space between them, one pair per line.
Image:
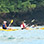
22,36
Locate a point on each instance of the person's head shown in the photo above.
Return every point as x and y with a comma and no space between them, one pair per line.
4,22
33,25
22,22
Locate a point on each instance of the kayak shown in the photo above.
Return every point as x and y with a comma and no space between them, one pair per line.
8,29
18,29
42,28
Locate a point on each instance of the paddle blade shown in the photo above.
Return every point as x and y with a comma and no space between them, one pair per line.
33,20
11,21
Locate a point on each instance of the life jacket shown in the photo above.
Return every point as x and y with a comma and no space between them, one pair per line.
3,26
23,26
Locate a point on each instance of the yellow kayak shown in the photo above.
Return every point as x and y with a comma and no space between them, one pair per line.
42,28
8,29
15,29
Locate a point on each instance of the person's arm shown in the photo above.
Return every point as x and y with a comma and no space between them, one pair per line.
6,26
25,24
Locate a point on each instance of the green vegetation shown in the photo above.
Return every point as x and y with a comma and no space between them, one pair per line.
7,6
20,10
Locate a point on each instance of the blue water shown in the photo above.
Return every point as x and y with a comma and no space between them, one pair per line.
22,36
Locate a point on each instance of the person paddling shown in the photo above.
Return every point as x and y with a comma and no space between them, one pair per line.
24,26
4,26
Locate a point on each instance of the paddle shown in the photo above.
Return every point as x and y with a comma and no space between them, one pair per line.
11,22
31,22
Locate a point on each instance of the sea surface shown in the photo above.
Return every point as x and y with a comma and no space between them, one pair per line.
35,36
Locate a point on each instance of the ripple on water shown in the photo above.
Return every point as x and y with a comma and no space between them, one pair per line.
22,36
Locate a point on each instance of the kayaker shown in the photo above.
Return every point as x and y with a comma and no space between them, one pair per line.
4,26
23,26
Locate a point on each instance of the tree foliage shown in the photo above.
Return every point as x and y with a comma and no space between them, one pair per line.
7,6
